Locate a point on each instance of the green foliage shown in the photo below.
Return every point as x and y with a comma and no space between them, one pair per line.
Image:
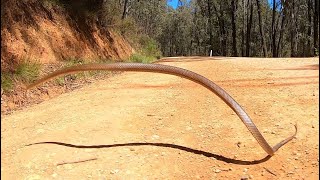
27,71
149,16
60,81
109,13
196,27
6,81
128,27
149,50
71,61
150,47
139,58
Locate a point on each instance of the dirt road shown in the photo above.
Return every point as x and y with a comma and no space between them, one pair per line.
154,126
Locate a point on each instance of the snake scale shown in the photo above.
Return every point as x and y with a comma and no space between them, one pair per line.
166,69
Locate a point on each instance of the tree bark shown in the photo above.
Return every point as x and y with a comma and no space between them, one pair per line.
243,29
293,33
224,37
316,27
278,50
273,30
309,48
234,28
264,46
283,24
249,25
222,28
125,9
210,24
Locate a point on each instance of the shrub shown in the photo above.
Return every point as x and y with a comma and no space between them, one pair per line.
150,47
27,71
141,58
128,27
6,81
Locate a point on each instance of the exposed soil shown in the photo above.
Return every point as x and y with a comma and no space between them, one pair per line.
152,126
40,32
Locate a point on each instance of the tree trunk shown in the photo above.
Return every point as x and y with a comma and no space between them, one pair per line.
234,28
224,37
264,46
125,9
316,27
293,33
243,28
222,29
283,24
309,52
249,25
278,50
210,24
273,30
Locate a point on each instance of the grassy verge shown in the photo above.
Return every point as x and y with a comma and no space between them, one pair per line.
25,72
149,51
139,58
77,61
6,81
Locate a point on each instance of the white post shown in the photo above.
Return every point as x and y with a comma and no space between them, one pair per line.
210,52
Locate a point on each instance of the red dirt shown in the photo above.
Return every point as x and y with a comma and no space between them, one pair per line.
34,31
155,126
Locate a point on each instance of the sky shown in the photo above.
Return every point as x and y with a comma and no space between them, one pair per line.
173,3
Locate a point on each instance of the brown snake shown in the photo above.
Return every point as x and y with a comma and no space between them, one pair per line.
166,69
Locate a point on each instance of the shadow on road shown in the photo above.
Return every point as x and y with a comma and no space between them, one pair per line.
174,146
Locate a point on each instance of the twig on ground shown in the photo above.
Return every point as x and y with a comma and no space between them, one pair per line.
74,162
269,171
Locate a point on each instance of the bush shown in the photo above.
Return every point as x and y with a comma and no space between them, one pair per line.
128,27
6,81
27,71
150,47
141,58
109,13
149,50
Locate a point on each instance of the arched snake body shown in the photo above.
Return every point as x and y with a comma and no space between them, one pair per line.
166,69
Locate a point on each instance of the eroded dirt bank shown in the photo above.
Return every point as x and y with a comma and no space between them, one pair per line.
40,31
